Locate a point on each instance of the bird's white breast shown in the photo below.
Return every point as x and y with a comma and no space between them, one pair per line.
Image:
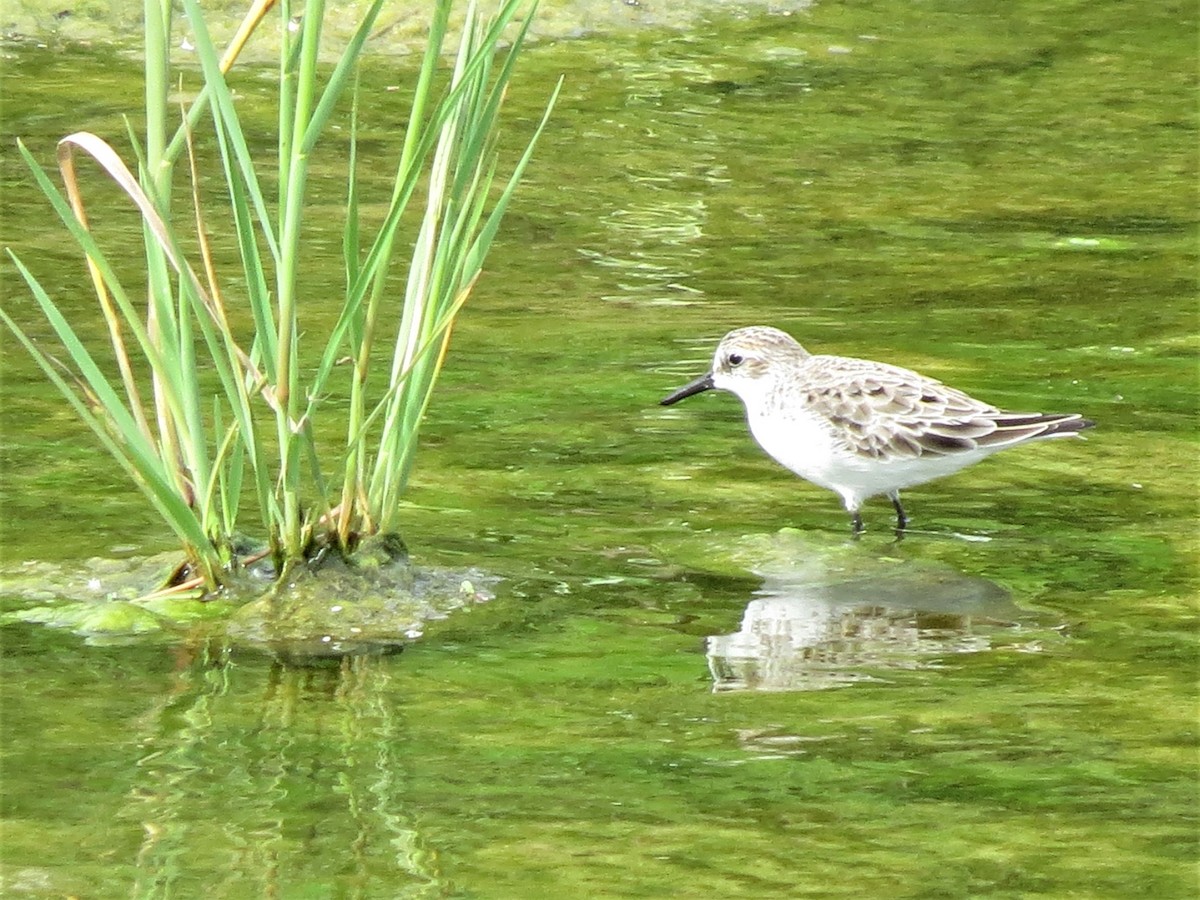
800,441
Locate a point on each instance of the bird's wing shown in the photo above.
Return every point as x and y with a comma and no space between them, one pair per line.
884,410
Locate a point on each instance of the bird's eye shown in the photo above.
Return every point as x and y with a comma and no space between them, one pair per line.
735,359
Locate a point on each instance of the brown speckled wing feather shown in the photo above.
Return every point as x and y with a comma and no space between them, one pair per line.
888,411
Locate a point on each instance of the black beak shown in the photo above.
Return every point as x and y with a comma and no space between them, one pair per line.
703,383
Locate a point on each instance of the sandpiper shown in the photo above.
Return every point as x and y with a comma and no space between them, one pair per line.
857,427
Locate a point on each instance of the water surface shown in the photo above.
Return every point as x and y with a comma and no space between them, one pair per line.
1005,201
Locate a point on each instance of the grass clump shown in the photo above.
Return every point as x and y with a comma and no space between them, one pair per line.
203,457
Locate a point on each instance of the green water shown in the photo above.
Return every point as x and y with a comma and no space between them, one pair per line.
1004,201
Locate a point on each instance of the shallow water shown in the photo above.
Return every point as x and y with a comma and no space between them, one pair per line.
1007,709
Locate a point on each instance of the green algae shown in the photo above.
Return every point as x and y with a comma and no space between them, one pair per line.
109,618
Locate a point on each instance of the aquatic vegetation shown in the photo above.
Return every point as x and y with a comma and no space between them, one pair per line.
213,404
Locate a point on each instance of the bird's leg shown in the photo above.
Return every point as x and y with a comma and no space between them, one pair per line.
852,504
901,518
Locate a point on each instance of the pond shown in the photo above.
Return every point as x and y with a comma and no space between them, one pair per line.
690,680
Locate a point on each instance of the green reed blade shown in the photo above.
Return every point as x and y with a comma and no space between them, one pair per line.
131,315
117,431
229,463
223,107
123,422
487,233
338,80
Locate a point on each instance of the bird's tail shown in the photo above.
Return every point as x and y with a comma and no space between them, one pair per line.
1014,428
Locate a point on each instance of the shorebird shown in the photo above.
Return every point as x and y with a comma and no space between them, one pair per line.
857,427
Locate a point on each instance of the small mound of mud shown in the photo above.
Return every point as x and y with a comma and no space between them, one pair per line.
339,605
373,602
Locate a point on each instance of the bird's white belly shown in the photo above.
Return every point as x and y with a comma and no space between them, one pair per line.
805,445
